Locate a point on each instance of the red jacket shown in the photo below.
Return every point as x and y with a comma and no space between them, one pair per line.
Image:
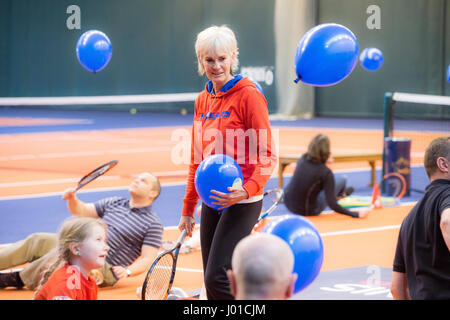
221,123
67,283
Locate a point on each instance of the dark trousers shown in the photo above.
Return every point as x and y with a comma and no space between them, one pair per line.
340,182
220,231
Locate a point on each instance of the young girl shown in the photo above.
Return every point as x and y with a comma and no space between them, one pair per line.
81,248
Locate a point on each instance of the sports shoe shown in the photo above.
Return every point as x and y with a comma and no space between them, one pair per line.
10,279
348,191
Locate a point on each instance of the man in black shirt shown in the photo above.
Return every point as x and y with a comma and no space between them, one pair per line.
422,259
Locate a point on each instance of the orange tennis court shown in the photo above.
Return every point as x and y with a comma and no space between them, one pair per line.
43,164
86,83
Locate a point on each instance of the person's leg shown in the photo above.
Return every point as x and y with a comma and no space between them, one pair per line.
340,182
31,275
235,223
109,278
209,220
34,249
27,250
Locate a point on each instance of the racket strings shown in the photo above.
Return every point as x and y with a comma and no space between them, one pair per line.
158,280
393,186
97,173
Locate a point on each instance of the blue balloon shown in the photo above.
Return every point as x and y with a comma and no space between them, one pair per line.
305,243
94,50
448,73
371,59
216,172
326,55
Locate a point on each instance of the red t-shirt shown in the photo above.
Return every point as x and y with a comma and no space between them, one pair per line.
68,283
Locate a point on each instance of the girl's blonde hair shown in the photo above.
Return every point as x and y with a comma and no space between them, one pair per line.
73,230
319,149
215,38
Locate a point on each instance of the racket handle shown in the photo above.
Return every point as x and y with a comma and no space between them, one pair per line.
182,236
263,216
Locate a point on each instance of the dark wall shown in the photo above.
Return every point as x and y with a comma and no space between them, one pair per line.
415,40
153,50
153,45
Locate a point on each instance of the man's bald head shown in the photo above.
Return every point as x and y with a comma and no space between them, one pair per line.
262,267
145,186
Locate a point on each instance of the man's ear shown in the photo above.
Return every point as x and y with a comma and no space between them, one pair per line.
443,164
152,195
290,287
232,280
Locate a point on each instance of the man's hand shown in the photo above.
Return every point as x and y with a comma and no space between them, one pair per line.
69,194
363,212
120,272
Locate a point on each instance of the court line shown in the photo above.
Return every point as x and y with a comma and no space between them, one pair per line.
81,153
51,194
359,130
363,230
112,99
160,174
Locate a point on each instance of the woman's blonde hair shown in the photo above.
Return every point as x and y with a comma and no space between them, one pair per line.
73,230
215,38
319,149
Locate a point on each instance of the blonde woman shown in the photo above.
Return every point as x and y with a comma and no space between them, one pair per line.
81,248
229,109
314,186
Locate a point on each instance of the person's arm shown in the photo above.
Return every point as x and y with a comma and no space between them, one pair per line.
191,197
77,207
399,282
257,118
445,226
399,286
148,254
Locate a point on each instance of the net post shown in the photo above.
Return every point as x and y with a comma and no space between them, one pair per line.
388,126
388,114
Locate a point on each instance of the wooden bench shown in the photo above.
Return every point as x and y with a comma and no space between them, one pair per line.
285,160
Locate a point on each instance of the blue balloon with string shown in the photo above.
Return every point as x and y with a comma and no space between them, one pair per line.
94,50
326,55
306,244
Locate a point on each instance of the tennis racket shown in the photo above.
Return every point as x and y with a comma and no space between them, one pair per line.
270,201
393,185
394,189
94,174
160,276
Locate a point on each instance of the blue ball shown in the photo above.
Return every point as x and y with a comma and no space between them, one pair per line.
94,50
448,74
371,59
216,172
326,55
305,243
